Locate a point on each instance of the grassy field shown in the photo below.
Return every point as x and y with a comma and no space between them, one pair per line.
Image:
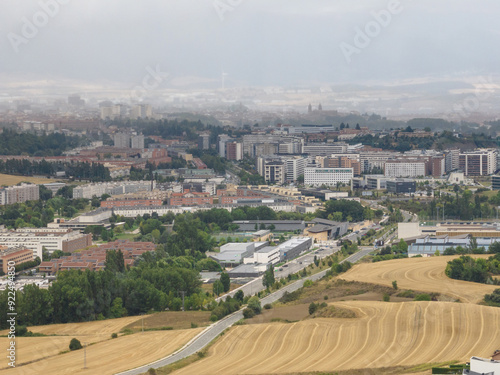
9,180
426,274
383,335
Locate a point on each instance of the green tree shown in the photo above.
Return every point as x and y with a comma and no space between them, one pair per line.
226,281
75,344
268,278
254,304
218,287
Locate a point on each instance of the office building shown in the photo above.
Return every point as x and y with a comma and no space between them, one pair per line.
405,168
204,141
295,167
401,186
16,255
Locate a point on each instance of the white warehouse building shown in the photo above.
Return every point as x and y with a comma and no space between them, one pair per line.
327,176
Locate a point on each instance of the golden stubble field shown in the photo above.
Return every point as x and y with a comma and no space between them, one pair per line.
9,180
383,335
423,274
104,355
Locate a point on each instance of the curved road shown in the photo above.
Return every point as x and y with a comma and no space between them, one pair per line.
211,332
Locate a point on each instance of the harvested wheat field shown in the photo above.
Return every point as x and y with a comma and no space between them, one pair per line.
34,348
425,274
9,180
383,335
108,357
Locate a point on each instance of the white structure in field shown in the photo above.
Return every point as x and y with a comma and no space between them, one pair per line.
327,176
483,366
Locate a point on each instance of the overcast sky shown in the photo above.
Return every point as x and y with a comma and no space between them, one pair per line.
256,42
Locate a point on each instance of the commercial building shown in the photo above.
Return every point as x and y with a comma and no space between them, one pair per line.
276,225
17,255
401,185
19,194
291,249
266,255
479,162
376,181
324,230
428,245
343,162
232,254
327,176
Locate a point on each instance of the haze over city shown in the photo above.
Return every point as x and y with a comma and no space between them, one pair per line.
409,49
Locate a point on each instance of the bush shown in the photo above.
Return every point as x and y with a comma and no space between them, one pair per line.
114,335
75,344
386,297
290,297
308,283
268,306
194,325
239,295
325,298
254,304
213,318
406,294
423,297
395,285
248,313
313,307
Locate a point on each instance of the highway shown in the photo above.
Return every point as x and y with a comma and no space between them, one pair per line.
211,332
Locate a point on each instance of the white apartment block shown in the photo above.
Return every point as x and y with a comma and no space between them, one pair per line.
480,162
405,168
19,194
324,149
112,188
370,160
295,167
36,239
327,176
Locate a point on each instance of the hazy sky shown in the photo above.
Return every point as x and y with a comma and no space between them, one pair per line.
256,42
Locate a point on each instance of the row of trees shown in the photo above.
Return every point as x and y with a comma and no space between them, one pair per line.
476,270
79,170
78,296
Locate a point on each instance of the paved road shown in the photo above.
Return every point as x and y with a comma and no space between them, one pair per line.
211,332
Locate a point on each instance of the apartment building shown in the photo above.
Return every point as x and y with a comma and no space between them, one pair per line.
318,149
480,162
327,176
295,168
52,239
112,188
405,168
17,255
274,172
188,198
19,194
234,151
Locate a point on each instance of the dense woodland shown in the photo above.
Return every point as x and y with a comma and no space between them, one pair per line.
52,144
477,270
